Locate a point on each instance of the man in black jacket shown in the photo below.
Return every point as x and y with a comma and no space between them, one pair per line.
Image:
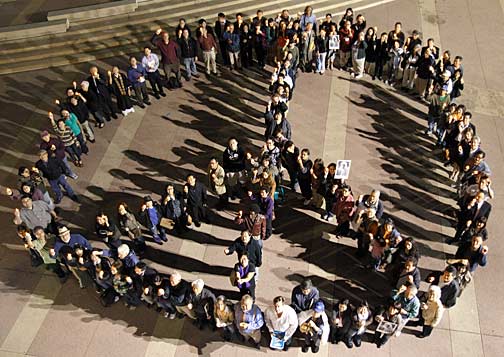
249,247
202,302
54,170
196,194
98,84
189,51
180,294
449,286
143,281
233,162
220,27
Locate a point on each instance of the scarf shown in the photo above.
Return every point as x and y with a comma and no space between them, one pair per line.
120,84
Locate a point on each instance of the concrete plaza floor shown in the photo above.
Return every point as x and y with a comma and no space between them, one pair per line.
378,128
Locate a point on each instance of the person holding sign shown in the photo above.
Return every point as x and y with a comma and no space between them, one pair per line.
388,321
281,320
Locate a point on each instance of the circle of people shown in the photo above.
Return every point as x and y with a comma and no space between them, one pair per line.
290,44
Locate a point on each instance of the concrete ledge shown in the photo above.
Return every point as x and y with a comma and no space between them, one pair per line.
94,11
33,30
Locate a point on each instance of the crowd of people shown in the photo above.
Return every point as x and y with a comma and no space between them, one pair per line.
260,180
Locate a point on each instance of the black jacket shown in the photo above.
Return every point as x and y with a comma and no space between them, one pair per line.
180,294
99,85
52,169
233,161
197,195
188,48
252,250
449,293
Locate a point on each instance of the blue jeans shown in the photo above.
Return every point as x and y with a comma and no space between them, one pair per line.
190,67
431,123
55,185
321,62
158,233
70,172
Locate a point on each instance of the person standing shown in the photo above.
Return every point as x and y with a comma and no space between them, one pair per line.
432,311
121,87
249,320
233,162
232,47
170,56
151,215
136,76
98,84
359,55
216,181
209,47
55,148
281,321
150,61
189,54
196,194
54,170
249,247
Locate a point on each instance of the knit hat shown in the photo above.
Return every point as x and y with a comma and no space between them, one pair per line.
44,133
319,307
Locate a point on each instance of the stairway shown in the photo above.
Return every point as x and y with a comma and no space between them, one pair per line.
126,34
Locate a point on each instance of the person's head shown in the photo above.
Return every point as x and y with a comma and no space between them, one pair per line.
475,142
430,42
244,260
476,242
233,144
245,237
230,27
446,55
408,244
305,154
397,44
23,171
468,134
388,225
175,278
122,251
415,34
101,218
374,196
115,71
191,180
349,12
328,17
221,302
278,304
348,25
479,157
26,202
182,22
409,265
259,14
116,267
122,208
140,268
84,86
93,70
370,32
359,19
263,192
449,274
370,213
481,222
70,92
427,53
457,62
27,188
61,124
165,36
322,32
398,27
197,286
308,10
246,302
214,164
318,309
185,33
149,203
222,17
343,305
45,136
345,190
133,61
411,291
434,293
147,51
363,310
480,197
64,233
306,286
394,308
39,232
22,231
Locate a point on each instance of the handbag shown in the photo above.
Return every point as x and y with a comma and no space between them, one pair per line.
167,223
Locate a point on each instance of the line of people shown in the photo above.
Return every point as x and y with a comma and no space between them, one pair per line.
258,180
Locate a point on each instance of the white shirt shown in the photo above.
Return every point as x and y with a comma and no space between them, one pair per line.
287,322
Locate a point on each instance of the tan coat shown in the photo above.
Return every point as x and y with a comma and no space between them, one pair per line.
217,185
223,318
434,312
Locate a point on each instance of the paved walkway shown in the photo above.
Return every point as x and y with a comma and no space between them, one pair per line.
379,129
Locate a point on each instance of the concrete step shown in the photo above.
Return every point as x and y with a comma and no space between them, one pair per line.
130,39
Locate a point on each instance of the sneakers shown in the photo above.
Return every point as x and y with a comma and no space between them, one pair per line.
359,76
